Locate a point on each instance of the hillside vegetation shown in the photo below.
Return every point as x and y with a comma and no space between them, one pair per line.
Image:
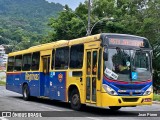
23,23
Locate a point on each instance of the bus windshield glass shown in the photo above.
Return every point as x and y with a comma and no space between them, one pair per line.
127,65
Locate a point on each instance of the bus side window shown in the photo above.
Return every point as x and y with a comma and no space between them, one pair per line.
35,61
99,64
94,63
53,60
18,63
76,57
26,62
61,58
10,64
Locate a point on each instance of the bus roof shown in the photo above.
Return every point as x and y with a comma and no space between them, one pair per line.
62,43
57,44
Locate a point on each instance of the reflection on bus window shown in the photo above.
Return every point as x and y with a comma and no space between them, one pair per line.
142,60
10,64
18,63
61,58
94,64
53,60
35,61
88,63
26,62
76,59
120,60
120,63
99,64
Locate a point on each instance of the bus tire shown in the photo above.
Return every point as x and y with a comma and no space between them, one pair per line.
26,92
75,100
115,108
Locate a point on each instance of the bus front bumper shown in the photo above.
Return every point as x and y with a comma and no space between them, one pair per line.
108,100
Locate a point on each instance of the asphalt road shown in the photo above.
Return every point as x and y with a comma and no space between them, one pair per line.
10,101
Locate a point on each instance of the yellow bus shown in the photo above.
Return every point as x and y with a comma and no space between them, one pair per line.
104,70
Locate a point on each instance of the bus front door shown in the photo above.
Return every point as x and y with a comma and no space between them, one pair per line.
46,68
91,75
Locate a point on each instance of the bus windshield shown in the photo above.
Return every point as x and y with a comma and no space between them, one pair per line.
127,65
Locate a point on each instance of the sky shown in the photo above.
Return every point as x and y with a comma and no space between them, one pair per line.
71,3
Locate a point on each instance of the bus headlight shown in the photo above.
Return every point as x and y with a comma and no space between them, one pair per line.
109,90
148,91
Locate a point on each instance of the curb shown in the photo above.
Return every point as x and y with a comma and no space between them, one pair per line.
156,102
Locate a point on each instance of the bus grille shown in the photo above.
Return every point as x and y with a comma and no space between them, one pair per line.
130,87
130,99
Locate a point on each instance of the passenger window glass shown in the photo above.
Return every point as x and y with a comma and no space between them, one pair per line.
88,70
53,56
10,64
94,63
99,64
76,58
35,61
26,62
18,63
61,58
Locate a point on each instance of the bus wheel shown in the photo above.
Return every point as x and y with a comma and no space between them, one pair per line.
114,108
75,100
26,93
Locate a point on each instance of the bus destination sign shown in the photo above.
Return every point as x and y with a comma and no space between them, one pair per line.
126,42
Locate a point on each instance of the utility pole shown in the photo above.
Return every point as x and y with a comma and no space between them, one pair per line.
89,21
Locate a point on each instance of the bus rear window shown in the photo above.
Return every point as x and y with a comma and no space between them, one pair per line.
10,64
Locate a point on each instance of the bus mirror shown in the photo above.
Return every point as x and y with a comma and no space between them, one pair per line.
105,54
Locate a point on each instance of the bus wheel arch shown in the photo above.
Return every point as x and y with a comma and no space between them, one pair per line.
25,91
74,97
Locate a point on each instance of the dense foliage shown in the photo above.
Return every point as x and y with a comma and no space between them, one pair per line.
23,23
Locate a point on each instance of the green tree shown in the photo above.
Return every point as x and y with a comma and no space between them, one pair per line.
68,25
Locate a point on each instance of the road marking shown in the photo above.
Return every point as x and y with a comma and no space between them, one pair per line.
92,118
51,108
2,118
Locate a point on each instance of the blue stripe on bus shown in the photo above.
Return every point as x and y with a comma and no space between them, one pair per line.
136,89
